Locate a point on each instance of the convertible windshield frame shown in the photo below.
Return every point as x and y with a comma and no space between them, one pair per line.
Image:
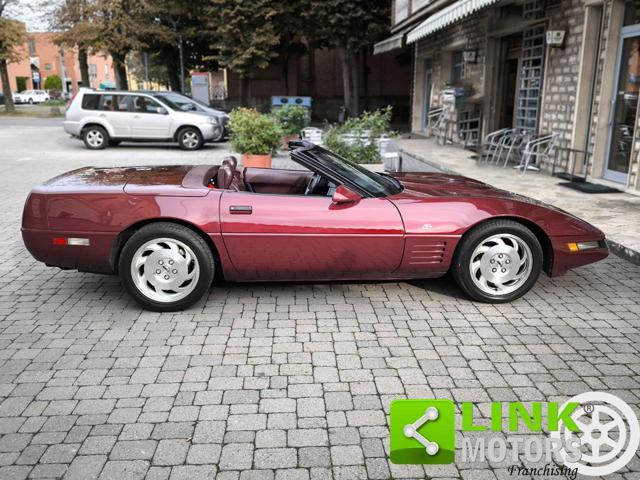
343,171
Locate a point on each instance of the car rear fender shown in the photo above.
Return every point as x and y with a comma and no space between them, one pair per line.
93,120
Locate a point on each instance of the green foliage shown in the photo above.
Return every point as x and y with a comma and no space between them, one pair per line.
12,37
253,132
245,35
53,82
356,139
292,118
21,83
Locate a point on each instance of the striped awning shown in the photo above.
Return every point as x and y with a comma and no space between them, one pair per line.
391,43
447,16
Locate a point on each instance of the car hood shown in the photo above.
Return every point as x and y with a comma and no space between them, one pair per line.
442,184
170,180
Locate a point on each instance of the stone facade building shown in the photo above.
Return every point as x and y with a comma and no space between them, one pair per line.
567,67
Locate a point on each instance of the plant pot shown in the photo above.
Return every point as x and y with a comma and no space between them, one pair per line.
288,138
256,161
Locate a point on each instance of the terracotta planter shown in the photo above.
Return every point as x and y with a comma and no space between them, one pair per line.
288,138
256,161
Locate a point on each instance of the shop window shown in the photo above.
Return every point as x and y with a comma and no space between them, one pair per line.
457,66
632,13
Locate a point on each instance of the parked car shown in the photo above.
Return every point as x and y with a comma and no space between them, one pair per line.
102,118
186,104
168,230
31,96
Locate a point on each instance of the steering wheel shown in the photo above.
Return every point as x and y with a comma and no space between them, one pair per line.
313,184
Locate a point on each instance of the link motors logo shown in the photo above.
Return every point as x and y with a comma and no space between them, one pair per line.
594,434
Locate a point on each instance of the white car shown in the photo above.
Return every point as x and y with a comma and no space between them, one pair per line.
31,96
103,118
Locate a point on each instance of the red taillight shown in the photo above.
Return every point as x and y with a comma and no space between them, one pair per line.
59,241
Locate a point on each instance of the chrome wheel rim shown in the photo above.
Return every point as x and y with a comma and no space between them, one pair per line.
95,138
165,270
501,264
190,139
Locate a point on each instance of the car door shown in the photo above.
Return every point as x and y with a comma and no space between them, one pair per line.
114,109
150,119
289,237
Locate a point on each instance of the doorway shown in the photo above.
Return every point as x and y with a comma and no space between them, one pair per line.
625,106
510,65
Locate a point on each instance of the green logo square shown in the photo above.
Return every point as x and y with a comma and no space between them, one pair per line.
422,431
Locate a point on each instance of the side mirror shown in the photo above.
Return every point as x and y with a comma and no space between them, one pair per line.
343,196
162,111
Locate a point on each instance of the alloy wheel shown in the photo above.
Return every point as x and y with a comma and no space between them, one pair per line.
165,270
500,264
95,138
190,139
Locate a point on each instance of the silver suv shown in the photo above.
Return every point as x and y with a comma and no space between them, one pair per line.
103,118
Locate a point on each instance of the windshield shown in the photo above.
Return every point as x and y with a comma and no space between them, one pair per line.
178,102
378,185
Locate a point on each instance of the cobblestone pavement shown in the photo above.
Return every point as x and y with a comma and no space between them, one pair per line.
283,381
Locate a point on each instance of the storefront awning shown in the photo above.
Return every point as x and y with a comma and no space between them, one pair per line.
391,43
447,16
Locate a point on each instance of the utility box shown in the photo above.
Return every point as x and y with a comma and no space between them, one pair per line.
201,87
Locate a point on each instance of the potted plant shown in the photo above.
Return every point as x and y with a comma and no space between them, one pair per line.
292,119
359,138
256,136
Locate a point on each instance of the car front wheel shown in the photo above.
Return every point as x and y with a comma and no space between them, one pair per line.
95,137
498,261
190,138
166,267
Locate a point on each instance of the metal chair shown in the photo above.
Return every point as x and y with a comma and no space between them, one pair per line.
513,145
491,144
539,150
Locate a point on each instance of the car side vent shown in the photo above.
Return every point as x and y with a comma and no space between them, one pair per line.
427,253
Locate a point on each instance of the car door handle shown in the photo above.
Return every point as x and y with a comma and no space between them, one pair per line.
136,116
102,115
240,209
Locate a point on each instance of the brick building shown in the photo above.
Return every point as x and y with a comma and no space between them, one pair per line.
570,67
42,58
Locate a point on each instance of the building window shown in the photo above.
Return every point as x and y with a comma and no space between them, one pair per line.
631,13
47,66
457,66
32,46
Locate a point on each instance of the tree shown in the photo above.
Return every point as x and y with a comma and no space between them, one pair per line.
245,37
12,38
75,22
53,82
348,25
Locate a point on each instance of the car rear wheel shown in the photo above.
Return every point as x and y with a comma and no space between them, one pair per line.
95,137
190,138
498,261
166,267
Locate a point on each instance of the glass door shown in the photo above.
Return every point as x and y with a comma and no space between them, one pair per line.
624,106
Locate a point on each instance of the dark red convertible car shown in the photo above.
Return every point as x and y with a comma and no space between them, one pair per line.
168,231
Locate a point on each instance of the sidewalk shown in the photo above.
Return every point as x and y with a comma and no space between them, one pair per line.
616,214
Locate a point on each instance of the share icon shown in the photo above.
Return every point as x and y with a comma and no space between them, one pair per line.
411,430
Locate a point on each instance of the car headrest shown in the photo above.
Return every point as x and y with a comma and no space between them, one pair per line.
225,176
231,160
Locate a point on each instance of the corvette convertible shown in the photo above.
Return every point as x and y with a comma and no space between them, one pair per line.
171,231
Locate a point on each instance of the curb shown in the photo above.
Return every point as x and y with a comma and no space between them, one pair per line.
616,248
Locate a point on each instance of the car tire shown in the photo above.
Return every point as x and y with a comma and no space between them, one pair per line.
497,261
166,267
95,137
31,101
190,138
